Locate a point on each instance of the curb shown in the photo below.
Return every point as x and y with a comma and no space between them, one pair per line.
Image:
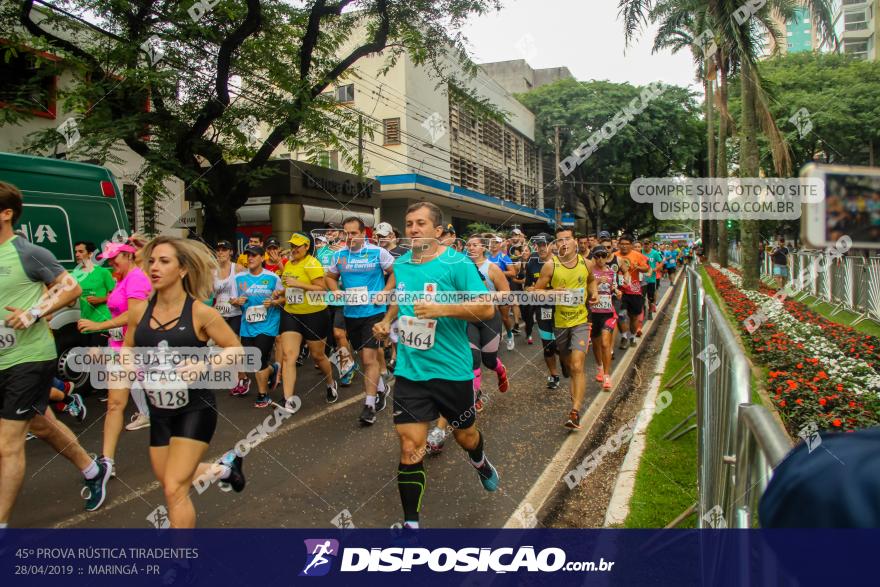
618,506
543,494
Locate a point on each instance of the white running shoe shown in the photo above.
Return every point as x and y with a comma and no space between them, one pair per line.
138,421
436,439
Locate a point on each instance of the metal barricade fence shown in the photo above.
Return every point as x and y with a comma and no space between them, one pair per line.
846,283
736,439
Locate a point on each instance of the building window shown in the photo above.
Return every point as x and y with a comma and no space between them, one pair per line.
129,200
28,85
329,159
391,129
345,93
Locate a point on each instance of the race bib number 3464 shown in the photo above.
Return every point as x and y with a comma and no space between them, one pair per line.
416,333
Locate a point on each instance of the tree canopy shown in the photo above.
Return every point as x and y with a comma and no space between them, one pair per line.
211,71
645,147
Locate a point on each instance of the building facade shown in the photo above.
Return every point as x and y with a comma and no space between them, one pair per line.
857,27
424,141
517,76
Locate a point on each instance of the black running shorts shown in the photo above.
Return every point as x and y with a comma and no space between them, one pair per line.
425,401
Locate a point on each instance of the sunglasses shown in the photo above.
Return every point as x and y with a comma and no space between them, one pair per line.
600,255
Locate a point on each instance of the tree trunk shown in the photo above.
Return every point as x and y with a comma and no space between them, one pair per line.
721,155
709,246
749,167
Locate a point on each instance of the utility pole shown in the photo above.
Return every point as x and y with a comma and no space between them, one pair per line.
361,145
558,180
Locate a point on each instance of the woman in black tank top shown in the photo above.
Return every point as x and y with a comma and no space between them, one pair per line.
183,417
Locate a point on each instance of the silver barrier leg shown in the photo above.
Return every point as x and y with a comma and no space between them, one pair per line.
671,434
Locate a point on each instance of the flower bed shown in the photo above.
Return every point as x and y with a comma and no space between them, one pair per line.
819,371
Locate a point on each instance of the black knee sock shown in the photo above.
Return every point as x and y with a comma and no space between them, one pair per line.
476,453
411,481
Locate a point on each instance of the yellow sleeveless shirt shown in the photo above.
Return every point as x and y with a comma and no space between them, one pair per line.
573,278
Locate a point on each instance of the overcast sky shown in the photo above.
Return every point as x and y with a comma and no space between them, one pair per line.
584,35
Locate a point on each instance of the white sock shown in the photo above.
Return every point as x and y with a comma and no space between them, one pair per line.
371,401
225,471
3,525
380,385
91,471
140,400
413,525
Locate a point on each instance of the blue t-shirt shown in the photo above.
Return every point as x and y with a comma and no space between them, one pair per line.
450,356
654,257
669,258
501,259
364,268
257,288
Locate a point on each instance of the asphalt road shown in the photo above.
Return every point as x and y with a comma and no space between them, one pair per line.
321,465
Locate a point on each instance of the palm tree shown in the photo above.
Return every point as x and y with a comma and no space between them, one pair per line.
683,26
743,41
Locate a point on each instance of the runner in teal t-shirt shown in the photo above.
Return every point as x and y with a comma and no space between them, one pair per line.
433,373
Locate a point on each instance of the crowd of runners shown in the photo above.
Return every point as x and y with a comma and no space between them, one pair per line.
343,300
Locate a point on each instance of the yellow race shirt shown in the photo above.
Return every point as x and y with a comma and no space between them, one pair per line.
572,278
308,270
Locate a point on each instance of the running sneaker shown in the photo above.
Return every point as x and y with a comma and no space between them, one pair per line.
653,308
510,342
368,415
291,405
138,421
30,436
262,401
479,403
381,399
387,377
574,420
275,378
110,463
623,344
76,407
632,342
242,388
503,382
516,331
391,364
304,351
94,490
488,475
236,478
553,382
345,380
607,383
436,440
530,341
332,393
639,333
600,374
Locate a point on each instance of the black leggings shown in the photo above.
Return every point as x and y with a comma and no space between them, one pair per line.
528,314
485,338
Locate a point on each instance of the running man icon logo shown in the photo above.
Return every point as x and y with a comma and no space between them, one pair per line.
711,357
318,551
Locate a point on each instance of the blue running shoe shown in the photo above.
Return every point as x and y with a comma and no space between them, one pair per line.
95,490
488,476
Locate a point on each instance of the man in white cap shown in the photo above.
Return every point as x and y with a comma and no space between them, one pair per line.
388,239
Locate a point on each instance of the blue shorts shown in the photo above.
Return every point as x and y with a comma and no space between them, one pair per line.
780,270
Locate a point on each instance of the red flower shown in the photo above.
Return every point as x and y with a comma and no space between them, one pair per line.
782,403
823,401
836,422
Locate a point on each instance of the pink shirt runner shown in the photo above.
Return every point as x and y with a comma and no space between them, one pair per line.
135,285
